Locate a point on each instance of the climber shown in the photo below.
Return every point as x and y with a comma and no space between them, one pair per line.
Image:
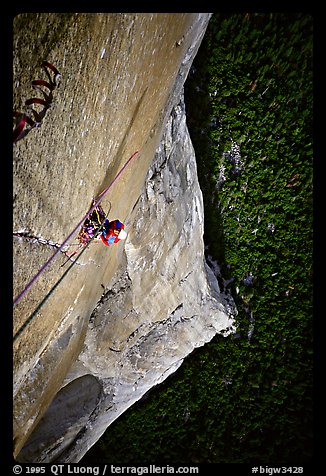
113,232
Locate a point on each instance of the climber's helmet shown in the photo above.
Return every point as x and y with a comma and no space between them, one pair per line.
122,235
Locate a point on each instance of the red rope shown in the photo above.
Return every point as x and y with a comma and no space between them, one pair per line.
100,197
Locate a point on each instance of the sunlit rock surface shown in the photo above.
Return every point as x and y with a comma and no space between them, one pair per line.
125,317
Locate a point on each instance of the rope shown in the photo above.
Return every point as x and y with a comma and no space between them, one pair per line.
42,241
100,197
34,313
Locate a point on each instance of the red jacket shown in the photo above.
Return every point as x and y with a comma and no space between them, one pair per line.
108,236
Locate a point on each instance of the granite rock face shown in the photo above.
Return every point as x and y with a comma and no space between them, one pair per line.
125,318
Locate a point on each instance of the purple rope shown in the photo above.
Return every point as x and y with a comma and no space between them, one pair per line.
100,197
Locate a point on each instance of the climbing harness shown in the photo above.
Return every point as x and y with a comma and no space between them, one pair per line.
90,229
96,203
92,222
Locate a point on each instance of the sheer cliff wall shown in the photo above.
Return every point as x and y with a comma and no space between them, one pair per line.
124,317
